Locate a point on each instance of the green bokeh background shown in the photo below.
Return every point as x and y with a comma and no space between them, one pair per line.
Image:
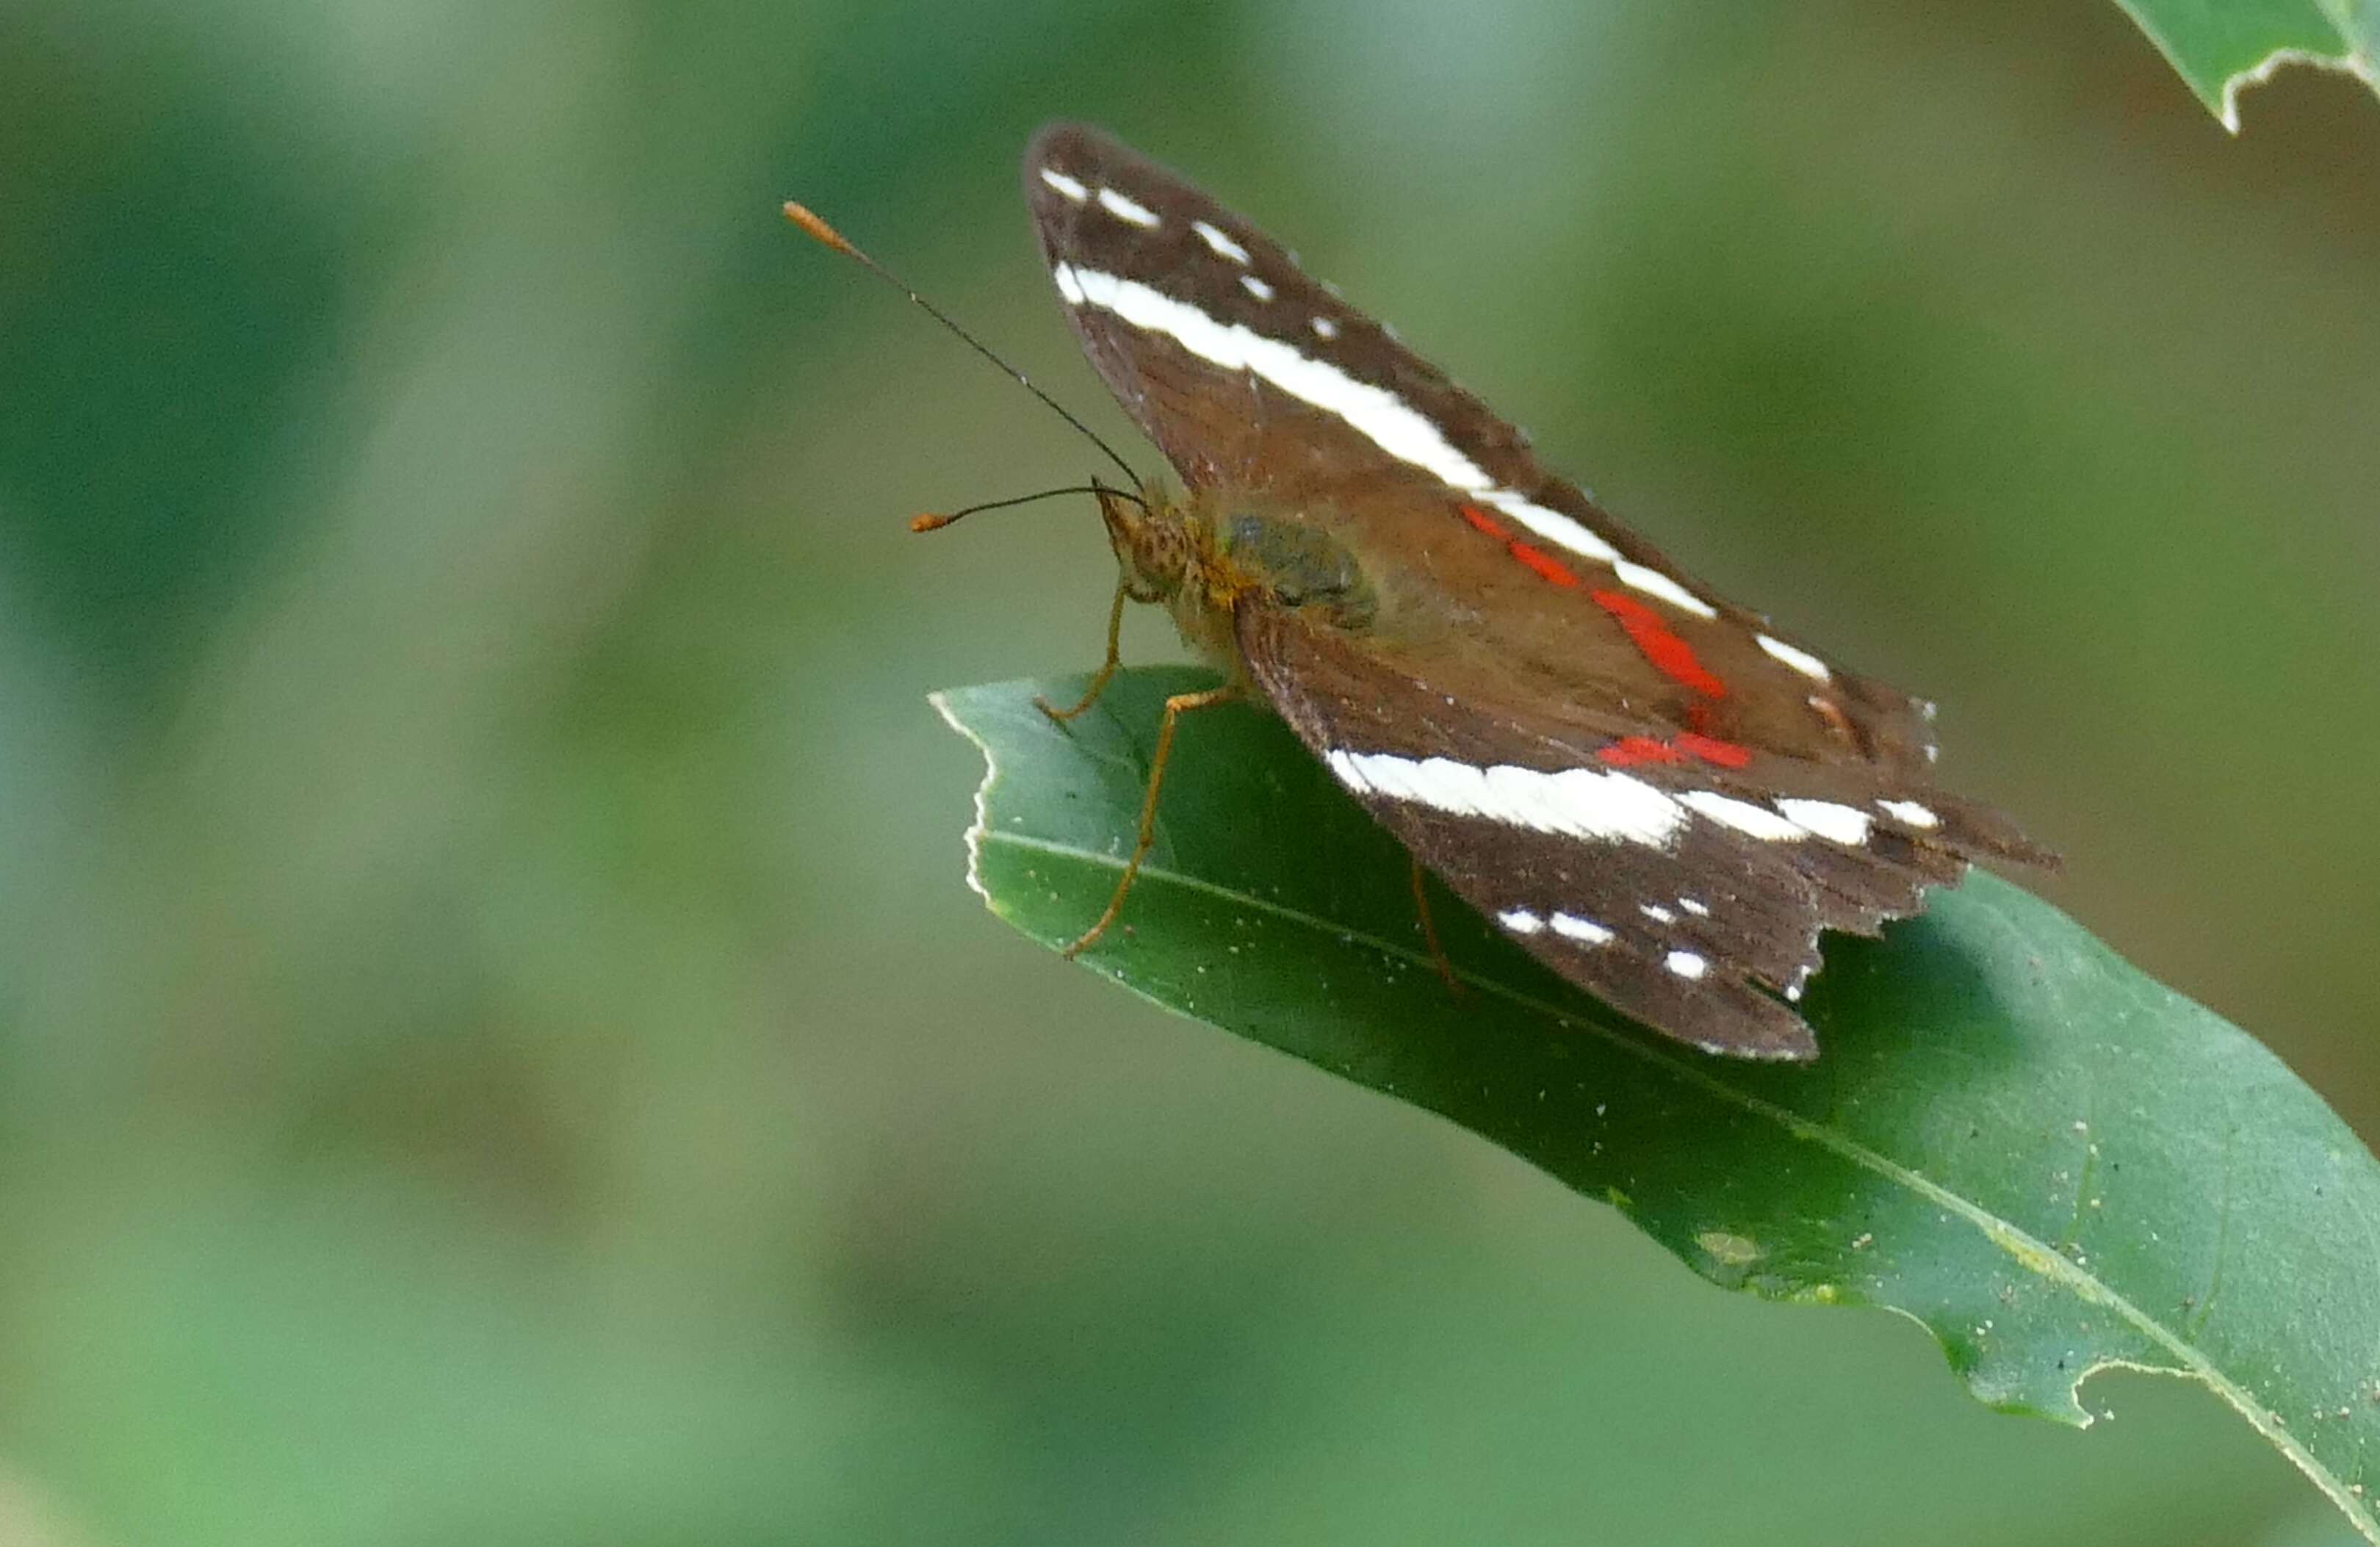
493,1047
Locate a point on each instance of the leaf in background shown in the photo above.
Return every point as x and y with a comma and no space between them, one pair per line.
2011,1136
2221,46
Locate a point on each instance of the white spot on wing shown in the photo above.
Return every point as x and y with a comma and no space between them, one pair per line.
1067,288
1520,920
1066,185
1578,802
1325,328
1124,208
1652,582
1222,244
1759,822
1911,813
1255,287
1800,661
1587,931
1685,964
1844,825
1697,910
1383,417
1656,912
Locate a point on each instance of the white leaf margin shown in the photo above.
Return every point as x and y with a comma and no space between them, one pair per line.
2341,36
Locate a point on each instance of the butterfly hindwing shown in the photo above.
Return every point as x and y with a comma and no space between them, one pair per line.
1689,894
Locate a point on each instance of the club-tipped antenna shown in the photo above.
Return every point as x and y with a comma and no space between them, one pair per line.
827,235
933,522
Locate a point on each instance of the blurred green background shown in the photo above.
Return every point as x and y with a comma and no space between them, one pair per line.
493,1046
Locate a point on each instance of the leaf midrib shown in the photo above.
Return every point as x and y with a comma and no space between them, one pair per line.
2019,1245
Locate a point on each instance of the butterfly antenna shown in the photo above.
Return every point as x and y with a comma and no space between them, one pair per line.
827,235
936,523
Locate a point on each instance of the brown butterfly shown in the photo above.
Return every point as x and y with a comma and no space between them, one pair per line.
1654,791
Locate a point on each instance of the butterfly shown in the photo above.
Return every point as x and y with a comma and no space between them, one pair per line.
1656,792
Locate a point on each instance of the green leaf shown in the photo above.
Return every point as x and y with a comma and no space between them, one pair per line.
2011,1136
2222,46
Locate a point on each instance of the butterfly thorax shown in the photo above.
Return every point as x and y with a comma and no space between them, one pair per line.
1208,556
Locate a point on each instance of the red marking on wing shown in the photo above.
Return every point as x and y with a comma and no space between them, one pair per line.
1669,655
1485,522
1543,562
1631,749
1727,754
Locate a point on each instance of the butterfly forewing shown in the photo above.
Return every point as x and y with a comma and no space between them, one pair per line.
1250,375
1652,790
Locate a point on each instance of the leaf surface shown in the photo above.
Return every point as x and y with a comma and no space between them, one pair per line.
2053,1162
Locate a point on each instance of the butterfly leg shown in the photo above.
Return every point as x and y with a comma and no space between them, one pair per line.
1107,667
1430,929
1176,707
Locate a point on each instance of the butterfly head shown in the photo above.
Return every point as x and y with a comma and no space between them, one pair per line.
1152,541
